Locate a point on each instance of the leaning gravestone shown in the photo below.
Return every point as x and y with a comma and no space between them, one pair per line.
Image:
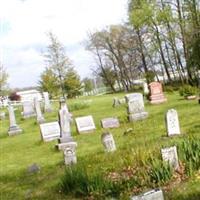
108,142
136,107
50,131
156,93
39,116
172,123
85,124
70,153
28,109
47,104
170,155
14,128
110,123
156,194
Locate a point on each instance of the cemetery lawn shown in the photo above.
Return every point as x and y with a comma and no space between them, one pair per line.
148,137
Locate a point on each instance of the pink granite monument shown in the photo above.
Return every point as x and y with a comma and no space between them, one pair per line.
156,93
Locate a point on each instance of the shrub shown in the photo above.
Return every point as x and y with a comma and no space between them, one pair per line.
187,90
169,89
190,152
14,97
79,106
160,172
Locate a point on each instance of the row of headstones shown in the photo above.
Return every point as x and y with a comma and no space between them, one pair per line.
29,109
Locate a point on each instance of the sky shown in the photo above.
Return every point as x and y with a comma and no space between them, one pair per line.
24,25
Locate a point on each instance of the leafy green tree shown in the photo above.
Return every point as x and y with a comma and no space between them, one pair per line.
72,83
88,86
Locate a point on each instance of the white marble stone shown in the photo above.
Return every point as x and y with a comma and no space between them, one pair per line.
111,122
156,194
39,115
47,104
28,109
108,142
69,151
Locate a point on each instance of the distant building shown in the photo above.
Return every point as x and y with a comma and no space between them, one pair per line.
29,95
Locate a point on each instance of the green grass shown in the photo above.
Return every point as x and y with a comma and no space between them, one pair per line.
148,136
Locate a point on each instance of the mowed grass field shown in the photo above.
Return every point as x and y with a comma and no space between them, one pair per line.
148,137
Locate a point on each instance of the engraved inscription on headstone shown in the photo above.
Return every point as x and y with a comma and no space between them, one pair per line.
85,124
108,142
50,131
170,155
70,153
156,194
172,122
14,128
110,123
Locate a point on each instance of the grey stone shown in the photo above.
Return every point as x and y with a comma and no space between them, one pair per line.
108,142
47,104
28,109
170,155
39,116
50,131
110,123
14,128
69,151
172,123
156,194
34,168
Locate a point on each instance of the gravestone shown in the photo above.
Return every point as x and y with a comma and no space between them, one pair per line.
145,88
2,115
69,152
28,109
136,109
170,155
156,194
14,128
50,131
63,104
122,101
156,93
110,123
47,104
39,116
115,102
108,142
64,121
172,123
85,124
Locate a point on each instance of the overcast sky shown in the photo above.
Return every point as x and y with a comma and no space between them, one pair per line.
24,24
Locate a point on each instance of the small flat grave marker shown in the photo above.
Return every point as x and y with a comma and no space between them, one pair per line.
85,124
110,123
50,131
156,194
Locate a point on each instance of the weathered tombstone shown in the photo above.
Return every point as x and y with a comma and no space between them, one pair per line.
63,104
39,116
170,155
70,153
50,131
110,123
172,123
115,102
28,109
64,120
145,88
136,107
85,124
156,194
122,101
2,115
156,93
47,104
14,128
108,142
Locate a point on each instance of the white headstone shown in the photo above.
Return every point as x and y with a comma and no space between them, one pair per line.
47,104
28,109
156,194
172,123
85,124
145,88
14,128
110,122
136,109
170,155
50,131
70,153
2,115
108,142
40,118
